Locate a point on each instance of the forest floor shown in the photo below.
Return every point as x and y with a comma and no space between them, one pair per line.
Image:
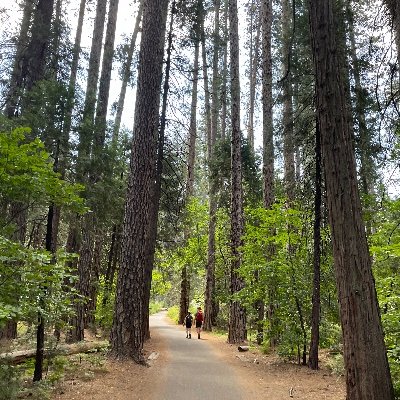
259,376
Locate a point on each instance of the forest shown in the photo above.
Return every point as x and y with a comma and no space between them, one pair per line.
239,155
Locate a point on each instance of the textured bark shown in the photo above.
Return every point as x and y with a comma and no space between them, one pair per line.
287,94
224,75
12,102
127,334
105,80
268,145
74,72
254,66
158,178
316,297
237,314
126,74
86,124
94,282
367,369
34,58
209,308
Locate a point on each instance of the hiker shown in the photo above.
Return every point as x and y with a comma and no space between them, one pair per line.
199,321
188,323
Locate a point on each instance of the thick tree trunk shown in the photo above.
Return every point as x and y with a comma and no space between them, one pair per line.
237,314
158,178
12,103
209,316
127,334
316,297
126,74
367,369
34,58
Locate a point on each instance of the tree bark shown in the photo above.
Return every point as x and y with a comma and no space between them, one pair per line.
367,369
237,314
316,297
105,81
12,102
268,144
127,334
126,74
86,125
209,295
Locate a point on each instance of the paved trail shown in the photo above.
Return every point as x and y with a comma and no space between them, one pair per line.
193,370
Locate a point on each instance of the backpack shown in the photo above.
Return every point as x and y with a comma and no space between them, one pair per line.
199,316
188,319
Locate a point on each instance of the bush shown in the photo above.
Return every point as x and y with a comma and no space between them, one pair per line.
173,313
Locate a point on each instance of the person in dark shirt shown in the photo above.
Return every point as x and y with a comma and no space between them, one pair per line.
188,323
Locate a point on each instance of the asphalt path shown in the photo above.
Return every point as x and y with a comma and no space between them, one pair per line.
193,370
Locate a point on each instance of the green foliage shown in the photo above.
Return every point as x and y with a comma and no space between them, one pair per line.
173,313
9,382
385,247
27,175
30,275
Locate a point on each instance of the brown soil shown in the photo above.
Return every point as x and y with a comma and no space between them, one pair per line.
261,376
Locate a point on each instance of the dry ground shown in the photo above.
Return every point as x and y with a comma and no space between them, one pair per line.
262,377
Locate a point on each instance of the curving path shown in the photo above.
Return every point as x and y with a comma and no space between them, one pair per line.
193,370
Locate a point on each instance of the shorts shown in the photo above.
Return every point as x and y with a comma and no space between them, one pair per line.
198,324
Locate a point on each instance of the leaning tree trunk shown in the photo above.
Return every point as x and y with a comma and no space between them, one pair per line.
367,369
209,306
237,314
126,74
127,334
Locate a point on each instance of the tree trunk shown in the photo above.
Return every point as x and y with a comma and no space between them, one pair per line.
74,71
268,141
127,334
224,77
158,177
185,279
287,94
254,65
316,297
12,103
209,316
86,124
367,369
237,314
126,74
105,81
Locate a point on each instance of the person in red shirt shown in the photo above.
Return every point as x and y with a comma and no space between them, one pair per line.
199,318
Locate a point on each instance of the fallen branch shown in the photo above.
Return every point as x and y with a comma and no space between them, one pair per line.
17,357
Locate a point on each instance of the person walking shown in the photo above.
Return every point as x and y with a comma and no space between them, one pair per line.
188,324
199,318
